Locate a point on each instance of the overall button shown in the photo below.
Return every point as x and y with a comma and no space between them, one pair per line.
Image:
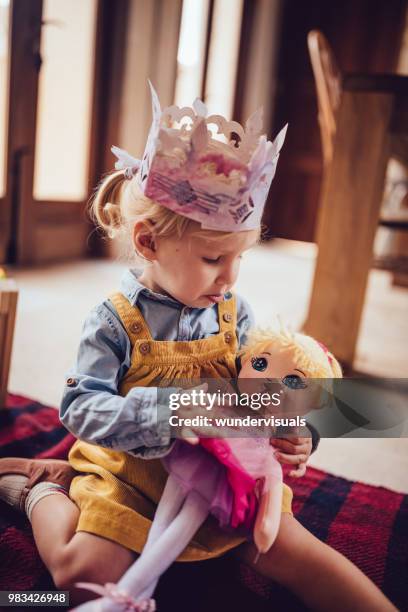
227,317
228,337
136,328
71,382
144,348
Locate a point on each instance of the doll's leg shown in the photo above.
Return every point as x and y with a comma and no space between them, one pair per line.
169,505
319,575
149,567
141,578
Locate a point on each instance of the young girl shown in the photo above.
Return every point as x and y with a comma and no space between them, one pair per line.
192,207
237,480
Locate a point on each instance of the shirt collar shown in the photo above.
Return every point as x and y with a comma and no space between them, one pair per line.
131,288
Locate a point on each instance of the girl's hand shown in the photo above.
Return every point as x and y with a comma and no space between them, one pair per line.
191,434
294,451
187,433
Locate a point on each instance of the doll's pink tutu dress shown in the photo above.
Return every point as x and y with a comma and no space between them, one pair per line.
236,464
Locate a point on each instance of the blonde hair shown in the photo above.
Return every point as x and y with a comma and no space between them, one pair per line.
311,356
119,203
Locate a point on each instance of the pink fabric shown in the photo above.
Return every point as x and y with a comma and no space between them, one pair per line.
226,473
199,471
245,503
247,460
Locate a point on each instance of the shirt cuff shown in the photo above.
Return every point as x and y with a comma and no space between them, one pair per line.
154,419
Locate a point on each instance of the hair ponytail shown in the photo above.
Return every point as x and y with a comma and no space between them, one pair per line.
106,204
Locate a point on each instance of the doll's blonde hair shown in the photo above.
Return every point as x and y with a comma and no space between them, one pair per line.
311,357
119,203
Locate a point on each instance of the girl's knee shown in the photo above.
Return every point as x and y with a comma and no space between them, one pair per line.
90,558
72,569
281,561
66,578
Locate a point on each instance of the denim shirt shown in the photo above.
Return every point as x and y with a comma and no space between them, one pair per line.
92,408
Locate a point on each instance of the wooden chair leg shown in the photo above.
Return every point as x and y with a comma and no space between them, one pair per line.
8,306
348,218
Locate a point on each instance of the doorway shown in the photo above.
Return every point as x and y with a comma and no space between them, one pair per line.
55,61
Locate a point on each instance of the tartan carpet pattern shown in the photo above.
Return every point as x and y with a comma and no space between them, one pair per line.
369,525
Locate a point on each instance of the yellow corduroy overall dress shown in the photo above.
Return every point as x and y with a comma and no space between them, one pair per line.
118,492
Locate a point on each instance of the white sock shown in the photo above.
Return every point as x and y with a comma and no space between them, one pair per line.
41,490
11,487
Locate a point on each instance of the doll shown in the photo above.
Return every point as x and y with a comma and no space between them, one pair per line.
237,480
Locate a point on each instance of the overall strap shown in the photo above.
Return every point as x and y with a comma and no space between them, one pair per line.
131,317
227,318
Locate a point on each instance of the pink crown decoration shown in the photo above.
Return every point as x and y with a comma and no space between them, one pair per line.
222,182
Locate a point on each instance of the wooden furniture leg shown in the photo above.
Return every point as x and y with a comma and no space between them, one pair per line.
8,306
349,211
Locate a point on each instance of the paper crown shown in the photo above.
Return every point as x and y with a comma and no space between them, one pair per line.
222,184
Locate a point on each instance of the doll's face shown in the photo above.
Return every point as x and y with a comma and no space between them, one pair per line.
276,371
275,363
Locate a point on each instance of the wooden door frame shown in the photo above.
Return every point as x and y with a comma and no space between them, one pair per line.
110,49
5,209
106,98
22,214
25,32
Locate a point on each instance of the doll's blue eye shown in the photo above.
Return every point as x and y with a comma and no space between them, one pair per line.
293,381
259,363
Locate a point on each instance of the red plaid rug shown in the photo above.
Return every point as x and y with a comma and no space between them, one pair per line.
369,525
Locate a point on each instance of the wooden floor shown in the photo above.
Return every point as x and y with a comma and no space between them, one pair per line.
276,279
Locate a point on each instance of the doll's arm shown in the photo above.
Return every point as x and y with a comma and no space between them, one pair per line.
269,513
